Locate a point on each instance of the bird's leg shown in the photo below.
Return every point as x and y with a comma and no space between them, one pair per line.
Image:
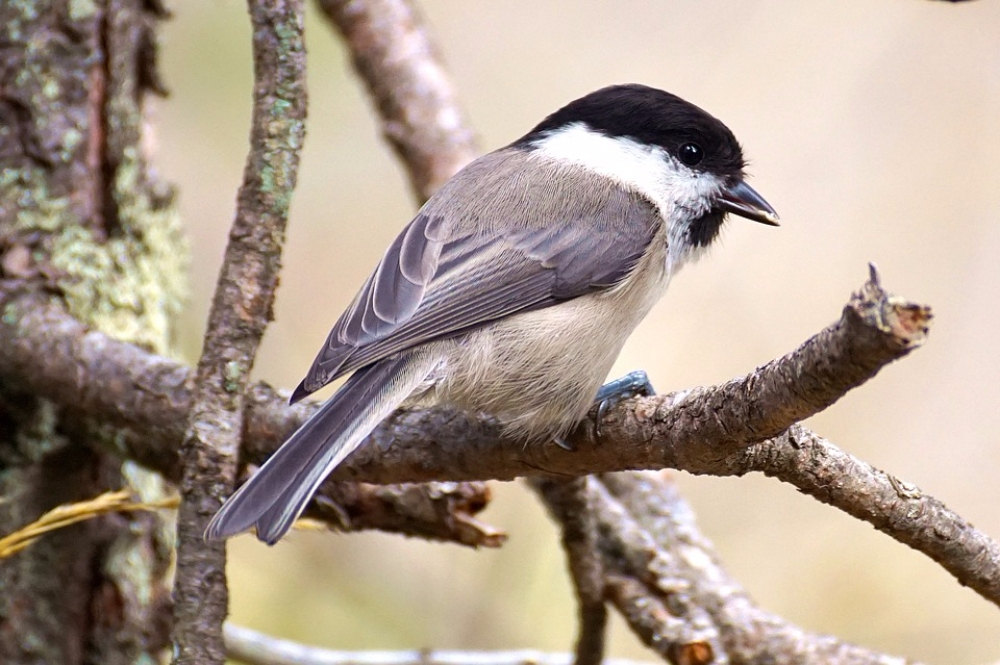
631,385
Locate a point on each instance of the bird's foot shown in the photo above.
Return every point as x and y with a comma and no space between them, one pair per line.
563,443
632,384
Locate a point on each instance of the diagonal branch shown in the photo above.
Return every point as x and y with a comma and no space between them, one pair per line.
241,309
440,443
689,430
414,97
651,536
895,507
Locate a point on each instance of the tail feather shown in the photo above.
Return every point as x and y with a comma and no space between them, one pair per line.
274,497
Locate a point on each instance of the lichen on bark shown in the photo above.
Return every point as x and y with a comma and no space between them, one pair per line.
83,219
130,285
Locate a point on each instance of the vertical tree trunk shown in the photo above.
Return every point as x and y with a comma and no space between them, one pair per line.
82,218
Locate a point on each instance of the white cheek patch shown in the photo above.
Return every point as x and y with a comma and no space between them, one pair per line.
680,194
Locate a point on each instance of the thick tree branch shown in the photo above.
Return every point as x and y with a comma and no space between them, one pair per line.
441,443
689,430
412,93
241,309
144,398
43,350
48,352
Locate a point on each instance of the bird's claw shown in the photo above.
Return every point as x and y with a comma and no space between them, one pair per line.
563,443
631,385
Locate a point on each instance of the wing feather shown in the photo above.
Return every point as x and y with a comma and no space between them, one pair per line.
400,280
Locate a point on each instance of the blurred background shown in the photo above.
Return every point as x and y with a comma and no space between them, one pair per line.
872,127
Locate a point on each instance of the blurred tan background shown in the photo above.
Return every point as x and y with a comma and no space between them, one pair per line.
873,128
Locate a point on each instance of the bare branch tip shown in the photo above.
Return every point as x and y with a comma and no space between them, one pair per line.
912,319
475,533
906,321
874,278
872,290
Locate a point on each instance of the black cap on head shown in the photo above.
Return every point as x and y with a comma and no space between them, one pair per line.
651,116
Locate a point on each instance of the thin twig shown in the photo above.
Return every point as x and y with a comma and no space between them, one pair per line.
569,502
893,506
240,312
254,648
414,96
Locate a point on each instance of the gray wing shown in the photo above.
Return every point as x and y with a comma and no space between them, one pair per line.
433,283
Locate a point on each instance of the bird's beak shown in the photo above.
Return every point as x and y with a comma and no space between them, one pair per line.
741,199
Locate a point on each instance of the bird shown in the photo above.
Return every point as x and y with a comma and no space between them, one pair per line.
513,289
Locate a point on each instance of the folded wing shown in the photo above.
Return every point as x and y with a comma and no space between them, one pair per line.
437,281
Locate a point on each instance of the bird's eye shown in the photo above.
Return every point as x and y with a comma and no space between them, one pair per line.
690,154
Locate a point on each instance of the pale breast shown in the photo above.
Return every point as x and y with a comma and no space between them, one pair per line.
539,371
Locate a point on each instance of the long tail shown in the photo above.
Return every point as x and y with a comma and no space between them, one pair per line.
277,494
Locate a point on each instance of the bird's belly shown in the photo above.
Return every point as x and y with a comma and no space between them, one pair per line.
539,371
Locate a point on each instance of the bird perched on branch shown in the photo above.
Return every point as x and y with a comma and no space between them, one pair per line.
514,288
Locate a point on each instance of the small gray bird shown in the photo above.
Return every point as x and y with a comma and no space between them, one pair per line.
514,288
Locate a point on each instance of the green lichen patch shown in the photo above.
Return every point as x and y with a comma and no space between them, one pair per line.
131,285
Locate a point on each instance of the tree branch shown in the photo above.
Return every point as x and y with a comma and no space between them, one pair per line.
412,93
651,536
54,355
645,583
144,399
689,430
254,648
241,309
50,353
895,507
569,502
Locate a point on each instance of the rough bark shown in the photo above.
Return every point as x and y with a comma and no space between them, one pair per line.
241,310
84,225
145,398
